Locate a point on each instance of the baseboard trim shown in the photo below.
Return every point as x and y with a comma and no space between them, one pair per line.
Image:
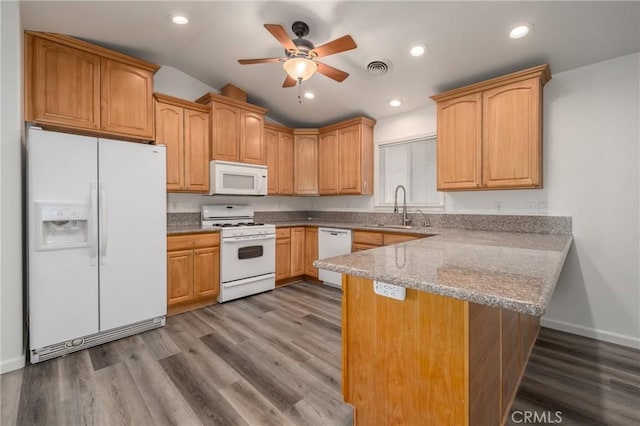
619,339
7,365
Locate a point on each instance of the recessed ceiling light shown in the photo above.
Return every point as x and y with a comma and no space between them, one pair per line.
520,31
309,95
180,20
418,50
395,103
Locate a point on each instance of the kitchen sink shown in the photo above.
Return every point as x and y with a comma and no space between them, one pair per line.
382,225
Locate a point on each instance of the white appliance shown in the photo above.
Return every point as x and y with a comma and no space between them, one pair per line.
96,241
332,242
247,251
229,178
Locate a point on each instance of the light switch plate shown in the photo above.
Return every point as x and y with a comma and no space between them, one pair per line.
389,290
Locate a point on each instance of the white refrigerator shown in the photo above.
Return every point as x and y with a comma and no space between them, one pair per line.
96,241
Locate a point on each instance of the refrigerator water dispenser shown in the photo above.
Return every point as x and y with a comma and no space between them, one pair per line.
61,225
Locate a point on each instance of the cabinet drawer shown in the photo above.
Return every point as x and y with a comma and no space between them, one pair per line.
372,238
185,242
362,247
397,238
283,232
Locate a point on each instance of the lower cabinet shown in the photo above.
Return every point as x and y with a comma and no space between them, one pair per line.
283,253
296,249
365,240
193,271
310,251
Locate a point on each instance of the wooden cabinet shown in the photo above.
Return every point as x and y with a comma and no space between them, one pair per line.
489,133
283,253
236,129
193,271
76,86
127,106
365,240
183,127
296,249
278,144
328,163
310,251
459,153
305,161
346,157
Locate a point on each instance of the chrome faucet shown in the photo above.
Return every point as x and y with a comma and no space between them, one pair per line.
424,218
405,219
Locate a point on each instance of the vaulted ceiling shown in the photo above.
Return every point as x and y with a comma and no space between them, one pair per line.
467,42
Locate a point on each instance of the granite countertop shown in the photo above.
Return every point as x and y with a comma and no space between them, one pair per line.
196,228
514,271
190,229
363,227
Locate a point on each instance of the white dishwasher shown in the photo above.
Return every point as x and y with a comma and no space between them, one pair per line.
332,242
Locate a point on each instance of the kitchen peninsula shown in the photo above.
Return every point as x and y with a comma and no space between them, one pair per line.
454,350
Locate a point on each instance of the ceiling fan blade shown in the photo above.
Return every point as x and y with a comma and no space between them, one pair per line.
259,61
331,72
338,45
289,82
281,35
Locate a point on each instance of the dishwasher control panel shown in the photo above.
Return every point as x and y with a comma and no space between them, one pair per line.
389,290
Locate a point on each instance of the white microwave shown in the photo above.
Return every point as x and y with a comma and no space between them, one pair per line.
229,178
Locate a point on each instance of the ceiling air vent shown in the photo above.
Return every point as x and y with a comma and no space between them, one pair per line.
379,67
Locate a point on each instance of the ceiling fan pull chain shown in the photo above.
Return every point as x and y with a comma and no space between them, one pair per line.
299,90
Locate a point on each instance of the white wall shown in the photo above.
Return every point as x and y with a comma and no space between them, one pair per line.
591,161
171,81
12,354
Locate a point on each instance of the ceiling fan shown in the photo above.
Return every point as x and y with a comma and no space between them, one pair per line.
301,62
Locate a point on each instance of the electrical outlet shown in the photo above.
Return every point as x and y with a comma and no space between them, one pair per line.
543,206
532,206
389,290
173,206
498,206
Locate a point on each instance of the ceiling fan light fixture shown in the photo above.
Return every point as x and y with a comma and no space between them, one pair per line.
300,69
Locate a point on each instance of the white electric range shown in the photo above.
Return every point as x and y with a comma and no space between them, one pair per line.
247,250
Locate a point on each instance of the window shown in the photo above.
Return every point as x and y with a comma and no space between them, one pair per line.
412,164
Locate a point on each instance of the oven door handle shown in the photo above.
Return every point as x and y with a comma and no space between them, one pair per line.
248,280
252,238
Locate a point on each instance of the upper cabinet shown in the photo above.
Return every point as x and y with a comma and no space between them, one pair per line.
278,144
346,157
489,133
183,127
305,143
236,129
81,87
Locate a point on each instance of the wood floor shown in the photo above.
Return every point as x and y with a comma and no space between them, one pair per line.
274,359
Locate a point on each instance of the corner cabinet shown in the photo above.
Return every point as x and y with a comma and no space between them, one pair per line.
305,143
278,145
489,133
346,158
183,127
193,271
79,87
236,129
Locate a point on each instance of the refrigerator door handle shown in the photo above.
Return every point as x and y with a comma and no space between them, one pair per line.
93,220
103,223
